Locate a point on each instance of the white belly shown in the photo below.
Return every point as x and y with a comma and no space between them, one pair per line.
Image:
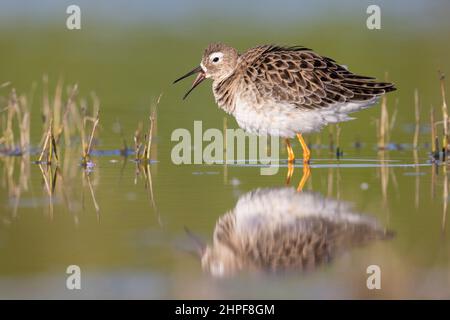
284,120
277,120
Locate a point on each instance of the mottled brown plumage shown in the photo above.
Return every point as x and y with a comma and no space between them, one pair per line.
297,76
285,91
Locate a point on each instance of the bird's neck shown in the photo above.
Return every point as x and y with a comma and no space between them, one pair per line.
224,93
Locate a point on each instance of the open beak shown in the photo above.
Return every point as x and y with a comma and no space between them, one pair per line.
200,77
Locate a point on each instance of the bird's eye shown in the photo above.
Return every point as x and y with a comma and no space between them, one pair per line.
215,57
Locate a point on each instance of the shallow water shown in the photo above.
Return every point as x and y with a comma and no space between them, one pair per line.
126,229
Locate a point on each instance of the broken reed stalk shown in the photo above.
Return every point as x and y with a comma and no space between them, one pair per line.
137,141
97,119
83,132
49,146
66,116
24,126
88,146
149,136
44,147
15,119
434,147
15,111
53,150
45,111
417,114
394,116
444,114
50,117
57,104
8,133
383,124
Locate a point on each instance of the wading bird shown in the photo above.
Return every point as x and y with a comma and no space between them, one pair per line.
284,91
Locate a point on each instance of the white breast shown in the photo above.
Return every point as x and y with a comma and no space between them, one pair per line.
276,119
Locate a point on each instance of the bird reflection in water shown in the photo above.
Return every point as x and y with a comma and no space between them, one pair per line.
279,229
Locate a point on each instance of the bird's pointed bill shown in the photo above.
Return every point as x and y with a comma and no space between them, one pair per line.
200,77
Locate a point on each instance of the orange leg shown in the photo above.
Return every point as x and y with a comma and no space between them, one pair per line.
306,151
305,177
290,172
291,159
291,156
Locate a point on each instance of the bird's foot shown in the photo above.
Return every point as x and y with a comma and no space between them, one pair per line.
307,160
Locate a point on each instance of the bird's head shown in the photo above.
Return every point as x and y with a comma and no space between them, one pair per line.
218,63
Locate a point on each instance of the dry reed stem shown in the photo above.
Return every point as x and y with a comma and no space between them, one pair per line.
137,140
49,146
46,142
91,138
444,112
57,104
383,129
433,131
384,121
394,115
417,114
143,147
150,135
24,126
152,126
16,118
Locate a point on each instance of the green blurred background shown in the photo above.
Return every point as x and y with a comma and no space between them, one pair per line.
130,52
